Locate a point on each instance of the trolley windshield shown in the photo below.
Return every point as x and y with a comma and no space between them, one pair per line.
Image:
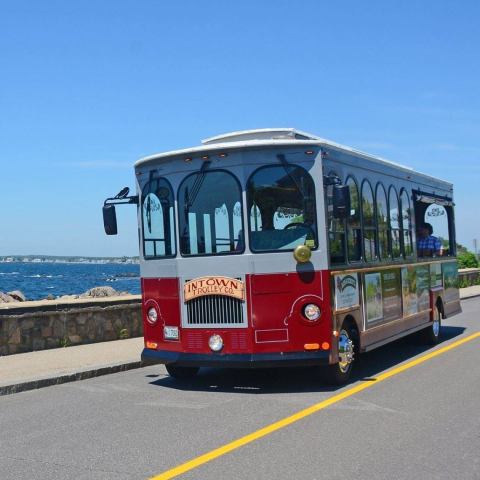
210,214
281,202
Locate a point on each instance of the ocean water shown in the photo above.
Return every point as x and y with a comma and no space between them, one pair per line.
38,280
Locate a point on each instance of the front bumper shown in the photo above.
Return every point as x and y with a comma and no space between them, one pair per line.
251,360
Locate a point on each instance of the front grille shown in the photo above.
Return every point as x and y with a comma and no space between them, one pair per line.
215,310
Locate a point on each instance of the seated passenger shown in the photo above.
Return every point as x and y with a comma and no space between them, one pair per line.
427,244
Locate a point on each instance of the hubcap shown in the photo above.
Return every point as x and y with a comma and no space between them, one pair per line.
345,351
436,324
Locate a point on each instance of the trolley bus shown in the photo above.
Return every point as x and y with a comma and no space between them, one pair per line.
275,247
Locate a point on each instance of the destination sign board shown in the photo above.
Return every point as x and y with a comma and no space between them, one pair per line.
202,286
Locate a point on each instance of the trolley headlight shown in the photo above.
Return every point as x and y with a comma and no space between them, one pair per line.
311,312
215,342
152,315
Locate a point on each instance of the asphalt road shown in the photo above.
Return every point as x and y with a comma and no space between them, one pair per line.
422,423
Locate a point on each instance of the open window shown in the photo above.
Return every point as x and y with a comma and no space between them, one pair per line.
435,225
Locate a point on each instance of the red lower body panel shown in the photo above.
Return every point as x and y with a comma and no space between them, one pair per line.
276,328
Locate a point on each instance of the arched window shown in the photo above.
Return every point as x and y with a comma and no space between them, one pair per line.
336,226
158,225
354,231
406,224
210,214
382,222
437,217
369,224
394,223
281,202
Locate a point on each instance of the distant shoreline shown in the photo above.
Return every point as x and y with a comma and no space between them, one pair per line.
67,259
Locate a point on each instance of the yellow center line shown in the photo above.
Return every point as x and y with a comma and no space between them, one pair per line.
251,437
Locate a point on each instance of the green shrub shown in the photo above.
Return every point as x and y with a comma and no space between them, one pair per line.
123,334
467,260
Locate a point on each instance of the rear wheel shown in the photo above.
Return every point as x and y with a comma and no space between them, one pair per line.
431,335
339,373
181,373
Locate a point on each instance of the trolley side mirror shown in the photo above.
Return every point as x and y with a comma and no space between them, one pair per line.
110,219
341,201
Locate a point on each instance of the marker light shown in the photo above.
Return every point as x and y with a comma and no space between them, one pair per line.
215,342
312,312
309,152
205,157
152,345
152,315
311,346
223,155
325,346
188,159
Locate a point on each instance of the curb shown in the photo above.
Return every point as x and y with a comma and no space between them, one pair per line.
72,377
475,295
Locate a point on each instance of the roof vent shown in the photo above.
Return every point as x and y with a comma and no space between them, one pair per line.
261,134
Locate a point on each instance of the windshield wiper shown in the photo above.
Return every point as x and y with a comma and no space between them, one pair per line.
284,163
197,184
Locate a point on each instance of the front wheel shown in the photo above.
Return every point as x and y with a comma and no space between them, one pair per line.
181,373
339,373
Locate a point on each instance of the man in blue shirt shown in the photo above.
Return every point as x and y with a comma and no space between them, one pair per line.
427,244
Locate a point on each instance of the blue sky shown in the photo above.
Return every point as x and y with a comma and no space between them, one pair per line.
86,88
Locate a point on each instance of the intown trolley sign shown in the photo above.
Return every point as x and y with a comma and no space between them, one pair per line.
199,287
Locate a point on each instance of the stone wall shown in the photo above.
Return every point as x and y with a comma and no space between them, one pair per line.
29,326
469,276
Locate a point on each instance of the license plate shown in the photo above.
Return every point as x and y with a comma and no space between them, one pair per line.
170,333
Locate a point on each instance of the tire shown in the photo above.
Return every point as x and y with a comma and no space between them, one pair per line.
339,373
181,373
432,334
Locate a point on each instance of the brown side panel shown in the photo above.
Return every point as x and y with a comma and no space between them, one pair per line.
390,330
451,304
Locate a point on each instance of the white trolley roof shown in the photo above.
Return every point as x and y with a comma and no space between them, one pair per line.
264,137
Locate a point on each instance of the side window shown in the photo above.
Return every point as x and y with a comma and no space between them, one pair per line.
434,223
354,239
382,222
158,226
336,226
437,218
394,223
406,224
369,224
281,206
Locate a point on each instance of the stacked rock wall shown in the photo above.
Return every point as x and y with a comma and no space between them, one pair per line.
29,326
